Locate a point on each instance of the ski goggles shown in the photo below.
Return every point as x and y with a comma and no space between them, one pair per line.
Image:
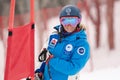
73,21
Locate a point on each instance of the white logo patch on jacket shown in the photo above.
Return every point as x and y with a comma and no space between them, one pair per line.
69,47
81,50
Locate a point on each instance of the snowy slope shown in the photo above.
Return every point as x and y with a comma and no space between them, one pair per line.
106,64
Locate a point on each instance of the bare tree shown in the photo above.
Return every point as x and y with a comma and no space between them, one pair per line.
95,19
110,22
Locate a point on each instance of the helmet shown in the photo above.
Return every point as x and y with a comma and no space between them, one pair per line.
70,10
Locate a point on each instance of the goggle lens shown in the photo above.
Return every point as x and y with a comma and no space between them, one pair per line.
73,21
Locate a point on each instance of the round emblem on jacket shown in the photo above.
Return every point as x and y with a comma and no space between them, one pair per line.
81,50
69,47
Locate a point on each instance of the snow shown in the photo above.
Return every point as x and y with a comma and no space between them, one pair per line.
2,61
104,64
104,74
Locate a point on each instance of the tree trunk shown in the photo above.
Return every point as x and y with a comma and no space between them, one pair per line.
96,21
110,22
97,4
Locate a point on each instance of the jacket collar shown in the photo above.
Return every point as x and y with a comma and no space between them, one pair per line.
79,34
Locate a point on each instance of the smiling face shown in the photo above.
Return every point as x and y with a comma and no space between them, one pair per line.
69,23
69,28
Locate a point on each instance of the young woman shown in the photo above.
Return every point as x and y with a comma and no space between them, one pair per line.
68,47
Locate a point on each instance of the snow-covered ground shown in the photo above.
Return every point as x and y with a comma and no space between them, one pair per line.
104,74
1,60
104,64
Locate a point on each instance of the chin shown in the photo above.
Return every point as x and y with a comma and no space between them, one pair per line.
69,31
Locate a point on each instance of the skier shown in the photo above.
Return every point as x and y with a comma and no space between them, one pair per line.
68,47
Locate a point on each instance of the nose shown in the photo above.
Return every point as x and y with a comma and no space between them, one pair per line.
68,24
